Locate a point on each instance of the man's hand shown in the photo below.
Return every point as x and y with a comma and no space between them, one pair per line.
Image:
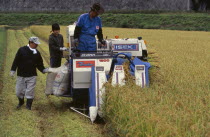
12,73
63,49
103,43
46,70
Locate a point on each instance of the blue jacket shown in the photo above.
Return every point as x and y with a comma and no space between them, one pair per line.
89,28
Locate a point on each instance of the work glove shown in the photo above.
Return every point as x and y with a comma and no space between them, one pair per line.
63,49
12,73
103,42
46,70
76,42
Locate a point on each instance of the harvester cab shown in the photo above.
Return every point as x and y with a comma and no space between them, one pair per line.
89,71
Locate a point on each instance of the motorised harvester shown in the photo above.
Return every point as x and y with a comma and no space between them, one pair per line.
89,71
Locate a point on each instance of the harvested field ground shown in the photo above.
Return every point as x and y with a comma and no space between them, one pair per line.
50,117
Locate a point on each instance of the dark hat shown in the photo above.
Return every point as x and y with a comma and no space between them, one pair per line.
55,26
97,8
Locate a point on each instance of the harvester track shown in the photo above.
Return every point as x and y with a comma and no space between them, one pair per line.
39,113
18,40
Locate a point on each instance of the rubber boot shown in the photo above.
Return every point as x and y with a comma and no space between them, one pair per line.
21,102
29,104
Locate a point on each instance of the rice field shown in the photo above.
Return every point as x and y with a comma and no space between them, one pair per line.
177,103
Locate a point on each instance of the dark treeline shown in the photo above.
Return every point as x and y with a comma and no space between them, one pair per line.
109,5
201,5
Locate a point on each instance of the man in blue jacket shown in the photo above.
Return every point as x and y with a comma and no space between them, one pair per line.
89,25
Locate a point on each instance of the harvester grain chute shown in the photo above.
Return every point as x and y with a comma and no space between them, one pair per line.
89,71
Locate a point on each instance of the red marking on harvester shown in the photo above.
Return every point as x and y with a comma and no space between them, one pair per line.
118,68
104,60
85,64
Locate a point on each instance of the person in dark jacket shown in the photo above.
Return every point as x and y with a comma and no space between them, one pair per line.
56,46
89,25
26,61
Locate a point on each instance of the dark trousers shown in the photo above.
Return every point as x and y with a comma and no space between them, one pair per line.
55,62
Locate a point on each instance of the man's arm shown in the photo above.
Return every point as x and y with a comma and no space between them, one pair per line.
16,61
62,41
40,64
78,27
100,35
77,32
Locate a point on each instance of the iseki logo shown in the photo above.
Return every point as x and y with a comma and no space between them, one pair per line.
85,64
127,47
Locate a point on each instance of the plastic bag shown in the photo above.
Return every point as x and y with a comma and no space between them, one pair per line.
61,82
49,83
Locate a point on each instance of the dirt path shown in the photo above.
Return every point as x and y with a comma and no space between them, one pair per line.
40,114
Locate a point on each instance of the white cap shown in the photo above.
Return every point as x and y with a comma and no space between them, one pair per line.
34,40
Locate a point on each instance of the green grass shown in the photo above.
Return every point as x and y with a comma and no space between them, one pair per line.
2,45
171,21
